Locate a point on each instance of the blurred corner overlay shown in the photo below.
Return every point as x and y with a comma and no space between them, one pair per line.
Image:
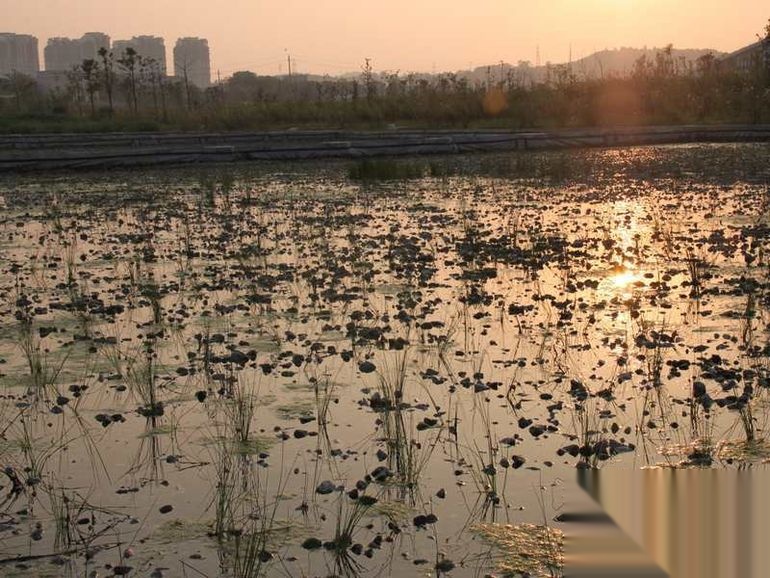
682,523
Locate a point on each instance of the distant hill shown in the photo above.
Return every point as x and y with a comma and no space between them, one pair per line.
620,62
602,64
617,62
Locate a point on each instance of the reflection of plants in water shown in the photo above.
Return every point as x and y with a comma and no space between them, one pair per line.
141,375
78,525
585,422
150,290
35,454
663,233
406,455
226,489
147,461
652,341
134,273
405,458
231,448
349,516
743,403
249,547
185,234
324,397
52,211
226,188
697,271
239,406
210,185
245,514
43,371
207,187
70,259
78,297
486,470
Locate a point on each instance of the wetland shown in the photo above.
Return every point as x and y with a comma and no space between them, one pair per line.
386,367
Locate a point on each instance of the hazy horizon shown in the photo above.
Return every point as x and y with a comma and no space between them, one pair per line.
336,36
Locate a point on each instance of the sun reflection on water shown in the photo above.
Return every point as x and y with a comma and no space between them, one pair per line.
622,282
624,279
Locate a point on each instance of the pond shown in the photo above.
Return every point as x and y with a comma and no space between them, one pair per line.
390,367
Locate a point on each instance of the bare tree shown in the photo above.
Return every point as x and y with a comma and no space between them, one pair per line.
129,63
367,76
23,88
108,73
90,70
184,66
75,87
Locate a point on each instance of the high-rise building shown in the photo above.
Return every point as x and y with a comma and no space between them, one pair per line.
91,43
192,61
62,54
18,53
151,47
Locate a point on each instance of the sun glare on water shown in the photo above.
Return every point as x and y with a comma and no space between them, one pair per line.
623,283
624,279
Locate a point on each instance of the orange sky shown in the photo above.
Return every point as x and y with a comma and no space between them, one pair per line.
334,36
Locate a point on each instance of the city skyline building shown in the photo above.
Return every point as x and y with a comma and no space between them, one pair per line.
151,47
192,61
63,54
19,53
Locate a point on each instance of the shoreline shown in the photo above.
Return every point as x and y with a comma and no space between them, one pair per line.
42,152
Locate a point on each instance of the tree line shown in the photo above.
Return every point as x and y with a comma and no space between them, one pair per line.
130,92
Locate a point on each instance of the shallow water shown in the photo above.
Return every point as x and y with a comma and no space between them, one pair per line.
199,365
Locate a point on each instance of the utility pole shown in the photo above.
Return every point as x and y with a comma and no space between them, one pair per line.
288,60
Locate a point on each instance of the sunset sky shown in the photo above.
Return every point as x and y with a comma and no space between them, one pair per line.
334,36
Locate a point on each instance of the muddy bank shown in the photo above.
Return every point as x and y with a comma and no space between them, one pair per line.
70,151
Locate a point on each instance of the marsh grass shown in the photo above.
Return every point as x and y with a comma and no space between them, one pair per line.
44,370
697,268
745,399
386,170
347,522
79,526
231,444
151,291
226,490
407,455
147,462
141,375
486,458
586,425
426,274
239,410
207,187
246,522
35,454
78,302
